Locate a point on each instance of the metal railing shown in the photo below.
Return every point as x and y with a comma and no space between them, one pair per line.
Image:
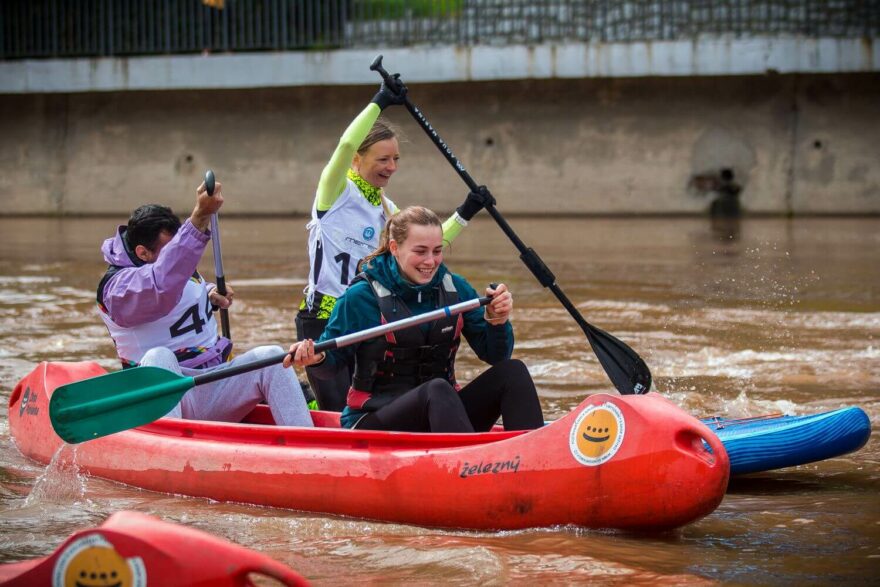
85,28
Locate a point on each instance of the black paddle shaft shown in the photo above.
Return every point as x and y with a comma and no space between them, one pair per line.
626,369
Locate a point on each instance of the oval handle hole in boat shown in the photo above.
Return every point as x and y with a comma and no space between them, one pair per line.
692,443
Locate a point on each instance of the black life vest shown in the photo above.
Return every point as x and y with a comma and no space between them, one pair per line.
389,366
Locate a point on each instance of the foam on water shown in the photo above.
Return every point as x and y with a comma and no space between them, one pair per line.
26,279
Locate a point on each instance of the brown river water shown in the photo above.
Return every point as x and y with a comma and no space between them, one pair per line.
768,315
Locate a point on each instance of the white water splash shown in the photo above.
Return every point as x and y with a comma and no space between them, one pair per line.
61,482
743,406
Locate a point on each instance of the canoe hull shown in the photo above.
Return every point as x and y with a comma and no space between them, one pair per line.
140,550
651,471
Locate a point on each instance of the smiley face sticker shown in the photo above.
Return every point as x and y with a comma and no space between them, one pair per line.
597,434
91,561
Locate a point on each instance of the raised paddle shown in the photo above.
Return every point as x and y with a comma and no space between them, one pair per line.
218,257
625,368
133,397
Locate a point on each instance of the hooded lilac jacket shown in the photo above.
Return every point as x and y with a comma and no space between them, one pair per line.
144,292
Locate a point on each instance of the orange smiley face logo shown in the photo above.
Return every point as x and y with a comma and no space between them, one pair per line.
597,434
91,561
98,567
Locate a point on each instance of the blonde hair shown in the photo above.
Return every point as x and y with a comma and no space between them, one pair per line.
397,228
382,131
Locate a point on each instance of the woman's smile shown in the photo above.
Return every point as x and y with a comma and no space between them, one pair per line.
420,254
379,163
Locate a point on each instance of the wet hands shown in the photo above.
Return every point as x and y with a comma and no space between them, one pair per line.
302,354
206,205
498,310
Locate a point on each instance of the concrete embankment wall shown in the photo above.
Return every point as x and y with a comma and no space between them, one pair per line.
799,144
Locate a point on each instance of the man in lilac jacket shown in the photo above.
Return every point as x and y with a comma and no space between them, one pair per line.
159,312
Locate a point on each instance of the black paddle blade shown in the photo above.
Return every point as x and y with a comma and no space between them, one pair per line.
627,371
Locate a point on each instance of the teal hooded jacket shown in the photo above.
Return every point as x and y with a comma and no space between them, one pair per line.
357,309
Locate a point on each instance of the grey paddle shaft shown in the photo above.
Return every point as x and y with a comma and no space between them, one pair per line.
348,339
369,333
218,256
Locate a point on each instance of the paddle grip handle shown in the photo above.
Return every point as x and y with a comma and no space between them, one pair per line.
392,83
209,182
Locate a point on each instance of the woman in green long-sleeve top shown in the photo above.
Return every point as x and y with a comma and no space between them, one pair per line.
348,215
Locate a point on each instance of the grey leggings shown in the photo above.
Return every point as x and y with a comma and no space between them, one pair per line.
230,400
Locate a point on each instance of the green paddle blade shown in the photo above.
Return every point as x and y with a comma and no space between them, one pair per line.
115,402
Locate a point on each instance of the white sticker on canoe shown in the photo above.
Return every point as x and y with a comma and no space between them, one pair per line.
597,433
92,560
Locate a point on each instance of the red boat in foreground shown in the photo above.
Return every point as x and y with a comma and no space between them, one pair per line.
625,462
135,550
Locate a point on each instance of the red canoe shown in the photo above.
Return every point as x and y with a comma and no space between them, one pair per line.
626,462
135,550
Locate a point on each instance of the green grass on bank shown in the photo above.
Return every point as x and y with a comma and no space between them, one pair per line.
397,9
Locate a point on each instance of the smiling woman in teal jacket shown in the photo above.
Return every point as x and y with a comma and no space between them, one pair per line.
406,380
350,209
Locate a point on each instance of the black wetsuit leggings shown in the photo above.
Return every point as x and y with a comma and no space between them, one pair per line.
330,393
505,390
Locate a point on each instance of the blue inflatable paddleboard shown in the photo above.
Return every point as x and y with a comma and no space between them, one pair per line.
771,442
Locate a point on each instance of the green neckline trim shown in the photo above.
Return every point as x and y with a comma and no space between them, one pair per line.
370,192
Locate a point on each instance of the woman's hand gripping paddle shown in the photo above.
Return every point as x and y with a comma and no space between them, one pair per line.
125,399
218,257
625,368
